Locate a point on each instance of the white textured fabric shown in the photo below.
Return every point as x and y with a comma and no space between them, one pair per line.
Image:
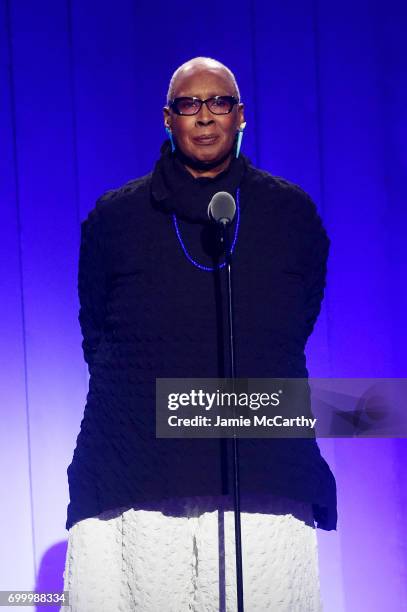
134,559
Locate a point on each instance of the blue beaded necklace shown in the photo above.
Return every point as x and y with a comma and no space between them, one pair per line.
188,256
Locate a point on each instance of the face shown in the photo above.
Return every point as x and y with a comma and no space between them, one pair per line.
204,137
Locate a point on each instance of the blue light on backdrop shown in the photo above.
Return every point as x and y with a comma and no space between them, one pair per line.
82,85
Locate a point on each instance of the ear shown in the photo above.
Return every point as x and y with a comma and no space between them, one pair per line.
167,116
240,113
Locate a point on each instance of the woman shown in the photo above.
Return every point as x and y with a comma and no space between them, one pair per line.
150,520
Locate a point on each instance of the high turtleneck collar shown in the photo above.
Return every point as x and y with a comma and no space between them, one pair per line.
174,189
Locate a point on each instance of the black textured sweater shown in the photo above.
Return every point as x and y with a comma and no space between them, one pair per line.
146,311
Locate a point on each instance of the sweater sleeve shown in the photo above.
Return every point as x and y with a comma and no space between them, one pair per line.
316,252
91,283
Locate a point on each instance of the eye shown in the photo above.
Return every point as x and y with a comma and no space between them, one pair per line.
188,103
220,102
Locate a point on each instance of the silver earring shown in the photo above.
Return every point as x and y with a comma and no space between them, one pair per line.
239,138
170,136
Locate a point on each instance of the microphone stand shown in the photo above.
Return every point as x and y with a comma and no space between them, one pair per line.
236,478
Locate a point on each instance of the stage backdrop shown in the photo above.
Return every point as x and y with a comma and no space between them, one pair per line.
82,85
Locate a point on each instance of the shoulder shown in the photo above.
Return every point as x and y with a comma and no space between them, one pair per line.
287,204
280,196
278,189
112,201
134,189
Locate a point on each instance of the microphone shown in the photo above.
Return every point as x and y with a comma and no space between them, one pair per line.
222,208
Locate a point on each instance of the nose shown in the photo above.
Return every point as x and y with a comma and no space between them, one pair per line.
204,117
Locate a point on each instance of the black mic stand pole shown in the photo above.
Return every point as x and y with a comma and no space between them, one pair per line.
236,478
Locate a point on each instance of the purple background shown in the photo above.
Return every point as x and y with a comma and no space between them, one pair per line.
82,85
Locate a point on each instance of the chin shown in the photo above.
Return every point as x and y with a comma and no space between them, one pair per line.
209,156
209,159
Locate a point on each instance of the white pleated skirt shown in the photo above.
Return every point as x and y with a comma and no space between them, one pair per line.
181,558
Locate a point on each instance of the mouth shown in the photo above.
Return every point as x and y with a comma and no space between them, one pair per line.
207,139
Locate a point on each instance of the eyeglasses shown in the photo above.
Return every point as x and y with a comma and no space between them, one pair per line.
218,105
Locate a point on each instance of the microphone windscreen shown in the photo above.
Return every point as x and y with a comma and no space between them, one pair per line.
222,207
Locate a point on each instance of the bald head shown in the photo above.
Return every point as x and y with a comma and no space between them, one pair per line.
201,64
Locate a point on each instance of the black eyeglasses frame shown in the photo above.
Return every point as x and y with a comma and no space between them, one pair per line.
173,104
